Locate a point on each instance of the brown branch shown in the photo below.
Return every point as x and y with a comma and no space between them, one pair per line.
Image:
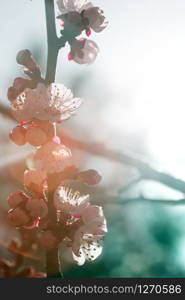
52,41
53,267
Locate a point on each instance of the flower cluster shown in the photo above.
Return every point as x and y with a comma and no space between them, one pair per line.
25,210
37,107
52,103
65,215
79,16
81,226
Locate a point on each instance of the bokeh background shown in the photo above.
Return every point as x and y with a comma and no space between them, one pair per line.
133,102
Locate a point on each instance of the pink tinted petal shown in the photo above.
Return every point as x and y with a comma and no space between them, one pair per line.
17,198
17,135
37,208
88,32
92,212
17,217
70,58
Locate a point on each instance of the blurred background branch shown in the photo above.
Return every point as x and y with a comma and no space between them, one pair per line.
146,171
5,111
117,200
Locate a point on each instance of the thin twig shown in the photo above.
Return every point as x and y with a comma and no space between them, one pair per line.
52,41
127,186
117,200
53,267
146,171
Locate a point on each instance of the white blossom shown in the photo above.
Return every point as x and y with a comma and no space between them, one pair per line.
94,220
86,240
89,249
70,202
54,102
66,6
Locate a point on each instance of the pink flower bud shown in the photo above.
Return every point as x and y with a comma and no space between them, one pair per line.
96,18
16,198
88,32
48,240
17,217
17,135
89,177
35,180
52,157
35,136
37,207
19,85
25,58
84,51
47,126
56,140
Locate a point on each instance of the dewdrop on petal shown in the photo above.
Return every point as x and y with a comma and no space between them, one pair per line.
52,157
84,51
17,135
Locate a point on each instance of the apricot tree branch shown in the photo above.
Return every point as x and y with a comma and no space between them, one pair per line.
52,41
53,267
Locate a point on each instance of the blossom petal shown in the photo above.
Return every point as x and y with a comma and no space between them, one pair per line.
79,260
71,202
53,103
66,6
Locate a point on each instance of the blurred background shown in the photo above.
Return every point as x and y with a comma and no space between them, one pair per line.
133,103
